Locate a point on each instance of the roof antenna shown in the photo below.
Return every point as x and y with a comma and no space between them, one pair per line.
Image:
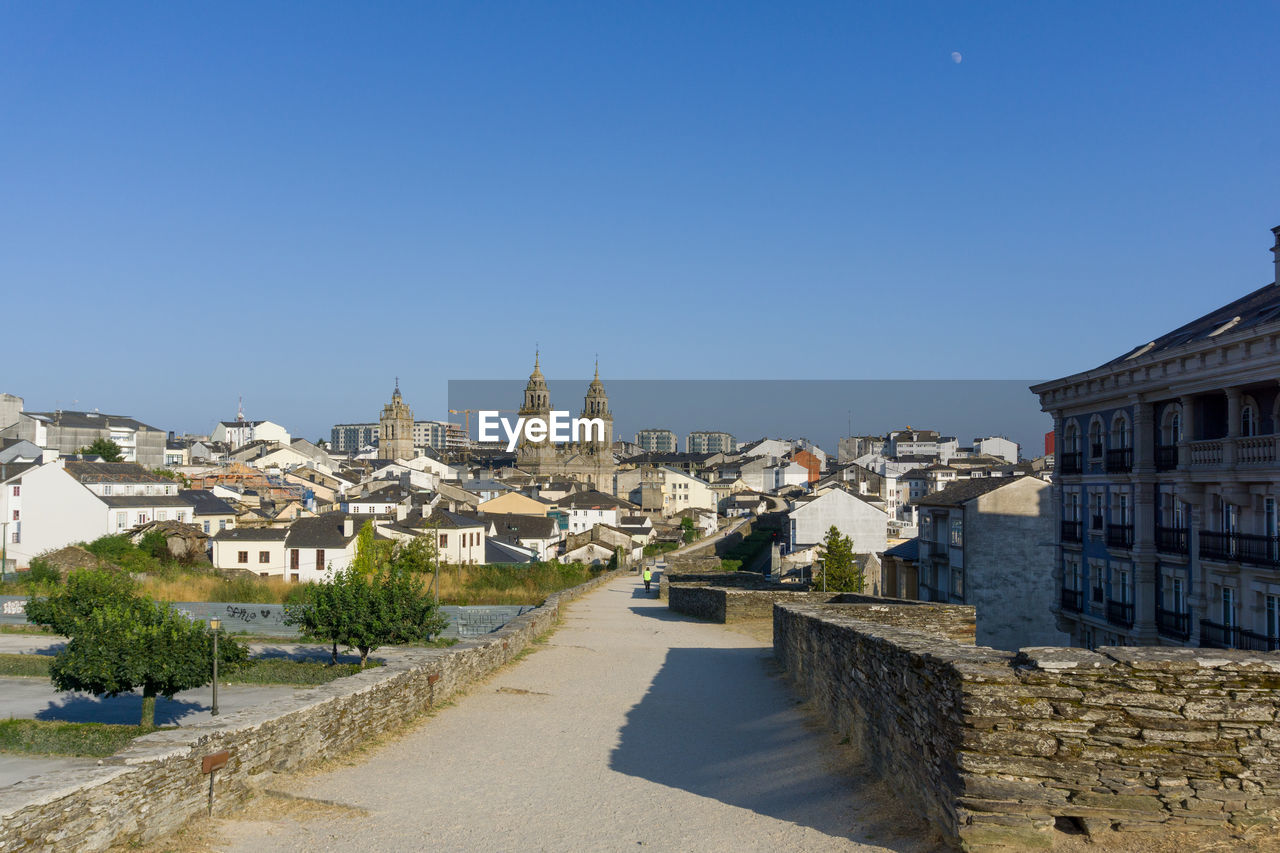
240,408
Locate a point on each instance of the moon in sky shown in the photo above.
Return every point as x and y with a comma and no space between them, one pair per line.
956,57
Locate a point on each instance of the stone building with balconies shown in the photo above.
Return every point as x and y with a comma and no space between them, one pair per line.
1166,485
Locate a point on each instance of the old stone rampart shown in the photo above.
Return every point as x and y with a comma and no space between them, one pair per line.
997,749
151,788
721,604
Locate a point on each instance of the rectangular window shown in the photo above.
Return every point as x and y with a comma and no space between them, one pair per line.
1073,575
264,556
16,536
957,532
1273,615
17,491
1179,596
319,559
444,540
1123,592
293,561
106,491
15,514
1122,508
222,524
1073,506
1095,511
242,557
206,527
122,520
1228,606
162,515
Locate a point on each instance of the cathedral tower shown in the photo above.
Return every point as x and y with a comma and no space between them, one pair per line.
536,457
395,429
596,405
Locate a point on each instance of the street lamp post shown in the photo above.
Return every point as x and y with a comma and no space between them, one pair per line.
215,624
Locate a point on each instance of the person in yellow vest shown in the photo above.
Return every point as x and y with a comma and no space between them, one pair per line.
648,577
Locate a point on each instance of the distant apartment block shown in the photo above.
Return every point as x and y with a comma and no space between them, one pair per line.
1166,481
67,432
707,441
856,446
656,440
921,443
997,445
439,435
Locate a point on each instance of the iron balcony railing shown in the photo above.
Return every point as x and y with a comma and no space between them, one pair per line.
1119,535
1240,547
1120,613
1072,463
1166,457
1252,641
1173,623
1072,600
1215,635
1119,459
1173,540
1072,531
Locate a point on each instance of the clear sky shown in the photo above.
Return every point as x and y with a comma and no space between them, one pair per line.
298,202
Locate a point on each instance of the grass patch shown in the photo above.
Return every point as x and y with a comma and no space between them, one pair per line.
50,737
25,629
655,548
25,665
525,584
281,671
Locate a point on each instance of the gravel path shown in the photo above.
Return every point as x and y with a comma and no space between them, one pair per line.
633,727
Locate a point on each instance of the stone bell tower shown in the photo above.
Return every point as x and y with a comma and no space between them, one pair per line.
536,457
395,429
596,405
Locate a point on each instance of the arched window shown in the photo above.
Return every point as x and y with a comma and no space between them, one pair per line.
1120,437
1171,425
1071,437
1095,438
1249,417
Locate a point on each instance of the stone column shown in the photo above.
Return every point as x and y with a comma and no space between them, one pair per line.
1144,437
1188,430
1198,589
1233,427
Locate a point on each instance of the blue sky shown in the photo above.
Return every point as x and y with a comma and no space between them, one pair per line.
298,202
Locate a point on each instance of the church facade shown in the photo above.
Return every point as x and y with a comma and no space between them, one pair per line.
588,460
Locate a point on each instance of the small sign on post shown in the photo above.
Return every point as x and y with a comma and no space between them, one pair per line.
210,765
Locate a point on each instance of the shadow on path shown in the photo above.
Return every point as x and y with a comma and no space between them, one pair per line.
125,709
663,614
713,724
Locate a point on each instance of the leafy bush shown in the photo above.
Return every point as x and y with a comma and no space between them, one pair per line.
365,613
41,574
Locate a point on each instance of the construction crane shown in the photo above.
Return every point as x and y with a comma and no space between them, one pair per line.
466,451
467,413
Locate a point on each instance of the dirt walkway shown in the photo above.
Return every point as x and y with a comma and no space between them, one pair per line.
633,727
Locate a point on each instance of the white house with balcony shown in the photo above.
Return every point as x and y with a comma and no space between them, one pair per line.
1166,485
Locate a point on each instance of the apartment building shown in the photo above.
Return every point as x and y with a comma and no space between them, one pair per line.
1166,484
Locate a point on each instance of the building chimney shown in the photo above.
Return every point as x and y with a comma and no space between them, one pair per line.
348,527
1275,250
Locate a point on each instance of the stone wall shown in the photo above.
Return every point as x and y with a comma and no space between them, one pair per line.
737,580
719,604
996,748
153,787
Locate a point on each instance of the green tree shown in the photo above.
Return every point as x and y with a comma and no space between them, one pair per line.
690,532
840,566
371,555
416,556
365,613
104,447
121,641
86,590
